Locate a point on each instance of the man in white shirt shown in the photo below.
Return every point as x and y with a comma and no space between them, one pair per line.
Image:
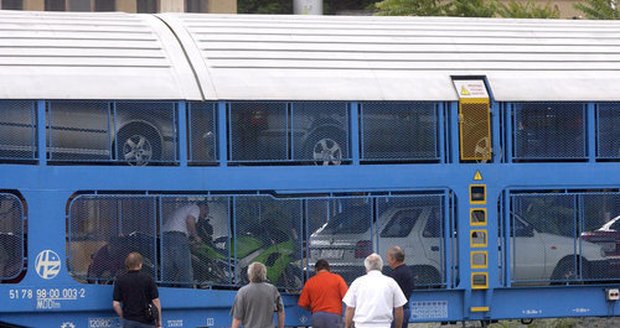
176,231
373,298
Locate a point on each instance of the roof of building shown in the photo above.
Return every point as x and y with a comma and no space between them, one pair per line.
258,57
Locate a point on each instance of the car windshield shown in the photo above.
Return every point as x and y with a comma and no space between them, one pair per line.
401,223
350,221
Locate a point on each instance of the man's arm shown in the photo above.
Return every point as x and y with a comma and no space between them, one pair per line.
304,298
348,317
281,319
158,306
190,221
117,308
236,323
398,316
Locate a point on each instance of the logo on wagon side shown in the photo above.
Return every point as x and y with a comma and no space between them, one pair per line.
47,264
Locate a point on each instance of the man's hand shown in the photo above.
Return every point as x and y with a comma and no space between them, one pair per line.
348,317
398,316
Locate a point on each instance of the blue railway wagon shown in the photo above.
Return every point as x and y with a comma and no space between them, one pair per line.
486,148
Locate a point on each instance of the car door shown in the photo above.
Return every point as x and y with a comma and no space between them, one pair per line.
431,236
527,252
396,230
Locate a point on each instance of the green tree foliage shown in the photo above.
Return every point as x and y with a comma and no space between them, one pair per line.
473,8
412,7
528,9
265,6
466,8
599,9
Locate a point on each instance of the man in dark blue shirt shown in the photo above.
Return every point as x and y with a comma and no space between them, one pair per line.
403,276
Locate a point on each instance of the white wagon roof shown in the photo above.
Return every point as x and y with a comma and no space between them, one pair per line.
50,55
254,57
60,55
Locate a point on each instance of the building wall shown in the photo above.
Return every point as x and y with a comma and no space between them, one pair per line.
131,6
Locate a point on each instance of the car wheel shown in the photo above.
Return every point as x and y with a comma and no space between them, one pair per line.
567,272
138,145
325,148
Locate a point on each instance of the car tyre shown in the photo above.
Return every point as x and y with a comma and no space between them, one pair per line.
566,272
138,144
325,147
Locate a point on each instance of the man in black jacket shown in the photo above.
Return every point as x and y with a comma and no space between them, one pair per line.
403,276
133,292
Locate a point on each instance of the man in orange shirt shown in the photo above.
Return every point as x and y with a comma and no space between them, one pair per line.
322,295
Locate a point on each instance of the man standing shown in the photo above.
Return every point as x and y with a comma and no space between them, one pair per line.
177,264
133,292
256,302
373,298
322,295
403,276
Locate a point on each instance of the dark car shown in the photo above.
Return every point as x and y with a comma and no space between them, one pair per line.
607,236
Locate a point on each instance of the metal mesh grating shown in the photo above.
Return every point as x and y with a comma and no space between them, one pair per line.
549,131
203,133
79,131
135,133
345,236
298,133
12,253
320,133
17,130
475,131
399,131
608,135
288,235
564,238
268,230
344,231
258,132
103,230
416,224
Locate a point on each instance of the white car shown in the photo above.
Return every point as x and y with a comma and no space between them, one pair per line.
346,240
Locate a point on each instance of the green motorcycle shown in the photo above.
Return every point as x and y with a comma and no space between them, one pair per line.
272,247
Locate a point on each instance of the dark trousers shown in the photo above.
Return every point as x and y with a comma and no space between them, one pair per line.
134,324
326,320
406,315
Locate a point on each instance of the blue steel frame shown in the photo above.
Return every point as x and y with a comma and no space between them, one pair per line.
46,190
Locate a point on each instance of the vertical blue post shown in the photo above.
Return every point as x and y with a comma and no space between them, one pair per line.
506,238
454,137
591,132
495,132
41,133
441,131
354,135
222,133
182,135
509,135
447,239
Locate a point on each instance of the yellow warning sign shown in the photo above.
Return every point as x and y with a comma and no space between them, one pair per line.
477,176
471,89
464,91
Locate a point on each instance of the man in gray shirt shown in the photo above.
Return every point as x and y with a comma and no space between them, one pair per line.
256,302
